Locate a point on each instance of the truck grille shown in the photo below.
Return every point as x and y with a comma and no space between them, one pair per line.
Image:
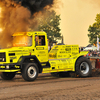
2,57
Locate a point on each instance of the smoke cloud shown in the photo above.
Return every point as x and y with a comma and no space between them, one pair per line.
17,16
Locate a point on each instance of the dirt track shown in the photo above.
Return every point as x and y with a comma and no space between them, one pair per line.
47,87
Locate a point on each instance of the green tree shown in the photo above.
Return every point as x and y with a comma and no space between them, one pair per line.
94,30
50,24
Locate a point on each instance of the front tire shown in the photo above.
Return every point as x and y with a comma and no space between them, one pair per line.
30,72
7,75
83,67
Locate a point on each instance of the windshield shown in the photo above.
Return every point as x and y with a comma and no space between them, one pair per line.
19,41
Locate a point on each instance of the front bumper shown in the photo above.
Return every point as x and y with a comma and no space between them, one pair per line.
15,70
9,67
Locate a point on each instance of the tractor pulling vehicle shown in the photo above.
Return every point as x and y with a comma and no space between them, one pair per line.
29,56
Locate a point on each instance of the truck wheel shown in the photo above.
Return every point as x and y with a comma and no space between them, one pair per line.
83,67
30,72
7,75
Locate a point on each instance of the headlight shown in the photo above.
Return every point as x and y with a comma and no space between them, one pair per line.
3,59
7,67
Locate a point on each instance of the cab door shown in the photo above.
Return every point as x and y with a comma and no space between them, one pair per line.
41,48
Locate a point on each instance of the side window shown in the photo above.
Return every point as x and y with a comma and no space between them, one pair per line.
36,40
39,40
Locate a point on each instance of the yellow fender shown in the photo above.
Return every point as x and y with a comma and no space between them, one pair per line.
83,53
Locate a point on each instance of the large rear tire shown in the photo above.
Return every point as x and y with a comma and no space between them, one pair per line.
7,75
30,72
83,67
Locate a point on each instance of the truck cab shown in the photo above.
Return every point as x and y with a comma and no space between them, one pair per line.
34,42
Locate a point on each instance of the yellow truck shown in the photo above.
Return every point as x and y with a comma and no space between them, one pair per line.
29,56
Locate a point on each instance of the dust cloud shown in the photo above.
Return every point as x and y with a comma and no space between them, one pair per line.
17,16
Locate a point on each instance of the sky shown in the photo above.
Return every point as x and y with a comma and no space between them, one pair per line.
76,16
